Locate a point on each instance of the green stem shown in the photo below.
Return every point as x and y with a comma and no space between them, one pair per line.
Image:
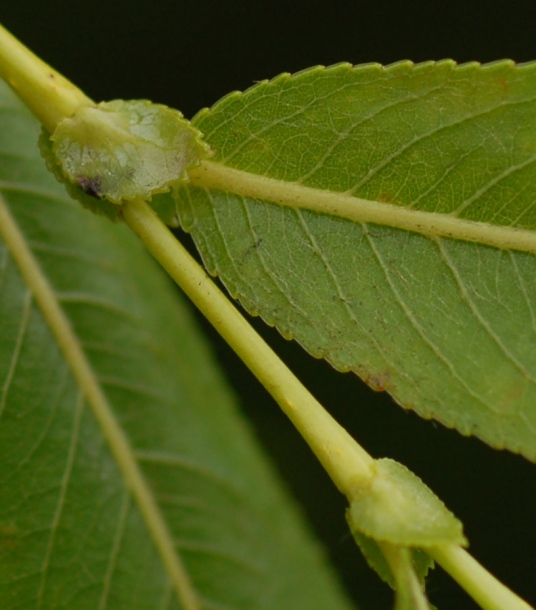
346,462
49,95
409,592
483,587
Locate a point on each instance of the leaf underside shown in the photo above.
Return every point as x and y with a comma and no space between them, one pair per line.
71,533
446,326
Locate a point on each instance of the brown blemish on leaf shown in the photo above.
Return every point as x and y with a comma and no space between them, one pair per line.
252,248
503,84
90,186
379,382
9,536
387,198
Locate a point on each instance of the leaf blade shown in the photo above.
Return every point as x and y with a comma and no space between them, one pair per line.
444,325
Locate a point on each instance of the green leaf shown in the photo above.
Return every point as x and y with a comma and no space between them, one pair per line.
398,508
446,325
125,149
149,485
403,568
421,561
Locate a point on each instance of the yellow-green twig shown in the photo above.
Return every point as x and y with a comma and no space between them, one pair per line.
482,586
346,462
49,95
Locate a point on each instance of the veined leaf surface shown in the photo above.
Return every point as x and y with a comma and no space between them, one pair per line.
73,531
446,325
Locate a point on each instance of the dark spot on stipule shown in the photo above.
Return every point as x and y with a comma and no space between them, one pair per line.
90,186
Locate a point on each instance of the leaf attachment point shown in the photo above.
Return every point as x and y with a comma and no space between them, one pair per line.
397,507
121,150
394,519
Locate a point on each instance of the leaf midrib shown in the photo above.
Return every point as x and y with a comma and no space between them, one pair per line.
210,174
118,443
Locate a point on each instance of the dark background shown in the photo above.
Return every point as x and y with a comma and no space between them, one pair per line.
188,54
